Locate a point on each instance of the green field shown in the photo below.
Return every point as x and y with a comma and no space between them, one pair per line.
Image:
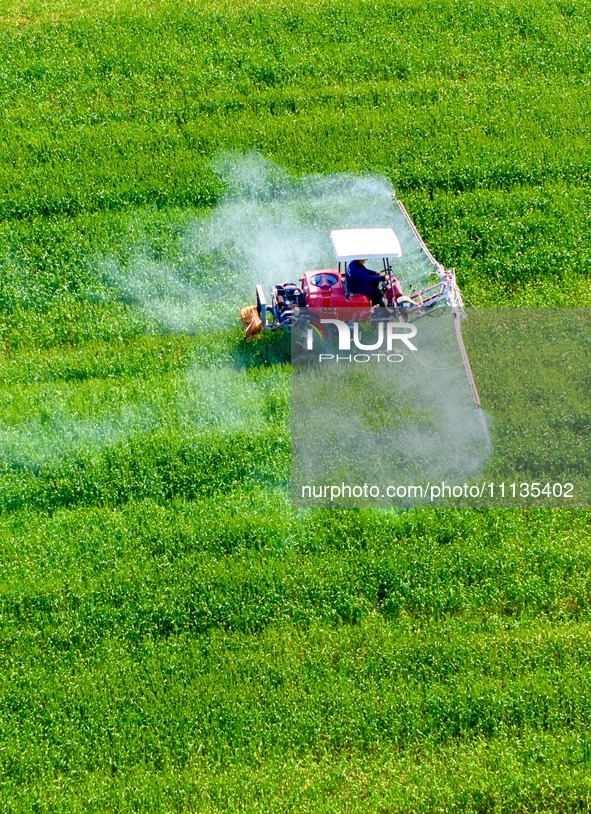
174,636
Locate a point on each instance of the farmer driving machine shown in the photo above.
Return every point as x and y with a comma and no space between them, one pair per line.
337,291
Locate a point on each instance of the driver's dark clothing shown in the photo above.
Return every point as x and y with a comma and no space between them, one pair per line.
361,280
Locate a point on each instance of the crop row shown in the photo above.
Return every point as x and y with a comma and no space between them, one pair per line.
167,165
159,464
320,690
536,771
527,247
550,41
244,561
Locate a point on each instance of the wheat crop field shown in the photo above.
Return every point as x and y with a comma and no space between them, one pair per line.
175,636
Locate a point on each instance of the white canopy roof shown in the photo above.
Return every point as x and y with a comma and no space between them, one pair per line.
364,244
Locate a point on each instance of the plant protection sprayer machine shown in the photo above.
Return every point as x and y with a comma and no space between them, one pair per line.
333,291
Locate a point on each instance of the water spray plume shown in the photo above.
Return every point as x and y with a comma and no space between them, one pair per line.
269,227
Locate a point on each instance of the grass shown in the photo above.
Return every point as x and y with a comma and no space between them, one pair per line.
174,636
